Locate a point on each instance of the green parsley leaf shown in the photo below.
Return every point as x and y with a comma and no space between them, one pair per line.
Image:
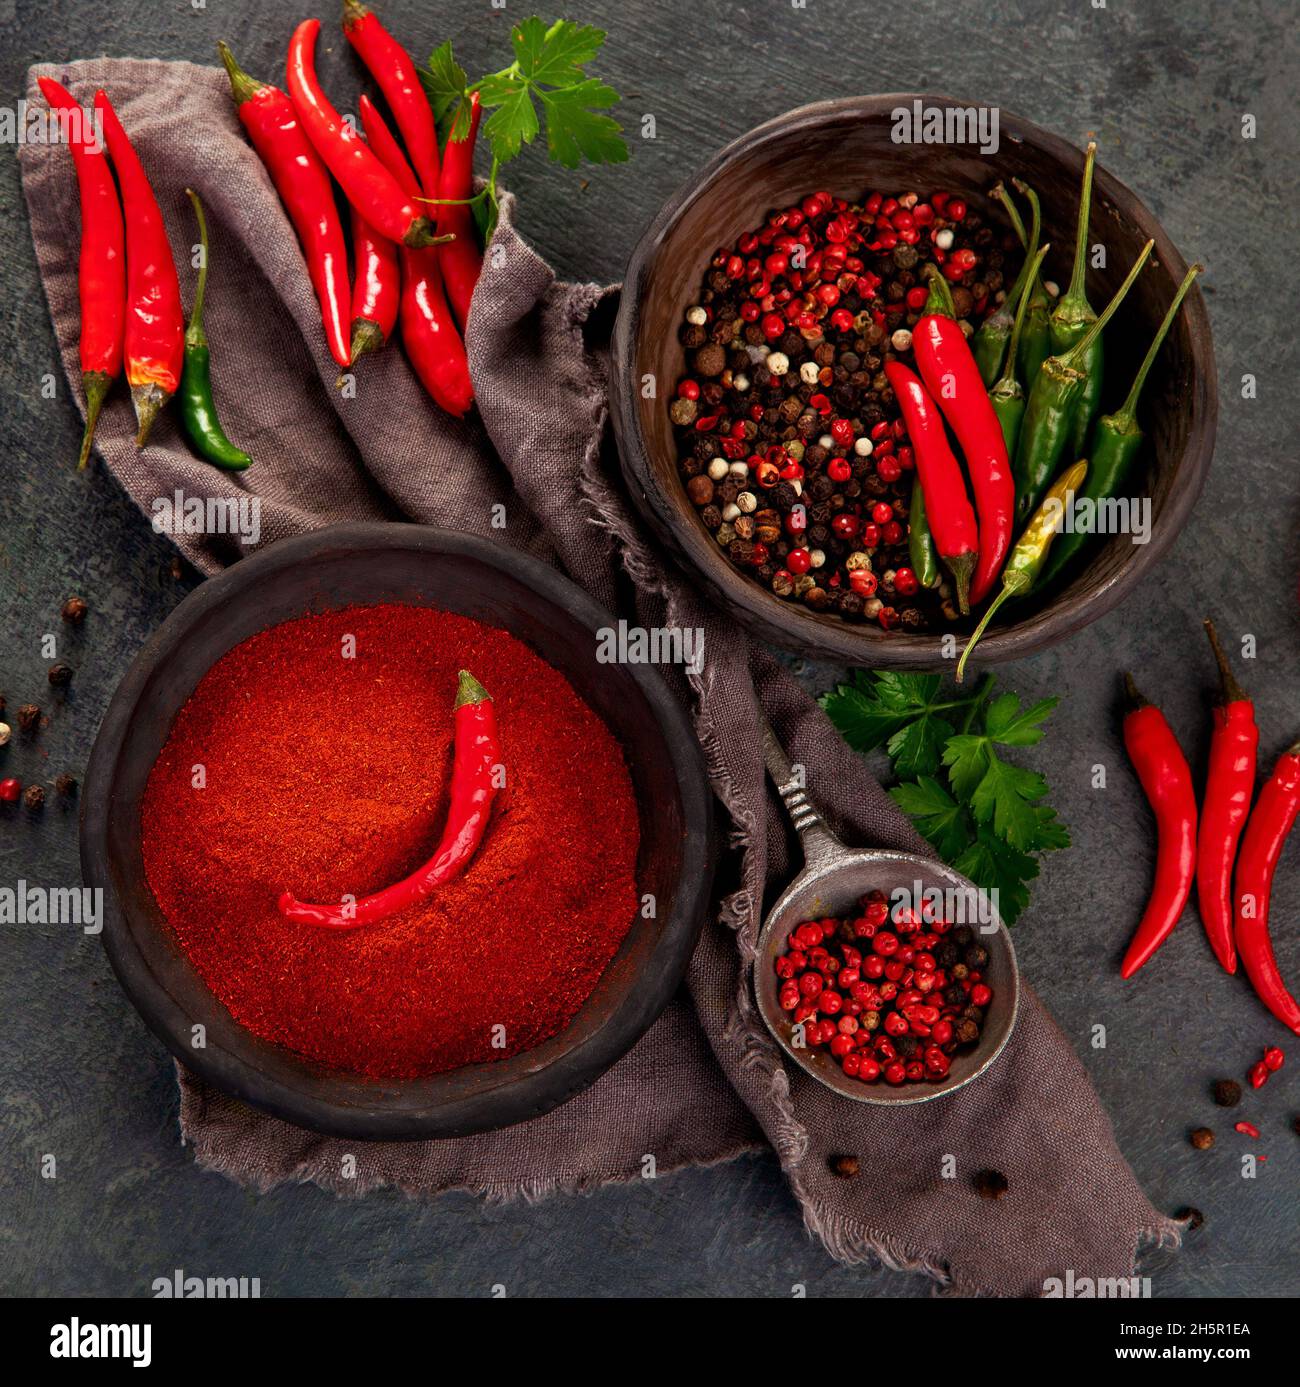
555,57
967,759
444,84
999,869
1005,723
574,129
1005,795
513,124
901,709
937,816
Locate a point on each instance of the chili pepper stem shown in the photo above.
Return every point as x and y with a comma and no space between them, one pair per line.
1073,309
1013,584
242,86
940,300
96,384
1126,415
962,566
1008,379
469,690
1136,699
1080,349
148,400
1013,213
194,335
366,337
1230,691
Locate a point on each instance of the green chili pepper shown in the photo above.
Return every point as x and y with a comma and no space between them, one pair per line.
198,412
1007,395
1036,336
920,541
1049,415
989,343
1027,558
1073,316
1116,439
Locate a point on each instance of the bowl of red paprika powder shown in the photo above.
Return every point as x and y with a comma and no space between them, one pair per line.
240,747
850,147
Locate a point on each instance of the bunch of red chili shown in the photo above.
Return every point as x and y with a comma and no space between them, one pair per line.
1235,922
404,267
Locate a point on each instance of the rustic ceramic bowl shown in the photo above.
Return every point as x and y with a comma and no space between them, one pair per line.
846,147
407,563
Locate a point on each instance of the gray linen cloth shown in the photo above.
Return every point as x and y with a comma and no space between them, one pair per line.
706,1083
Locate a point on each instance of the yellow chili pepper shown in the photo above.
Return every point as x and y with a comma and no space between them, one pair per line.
1030,553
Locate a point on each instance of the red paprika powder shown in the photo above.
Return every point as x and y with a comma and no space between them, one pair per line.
316,756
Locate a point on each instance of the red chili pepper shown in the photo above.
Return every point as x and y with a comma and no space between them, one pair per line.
952,377
399,80
101,270
1266,834
303,183
473,788
376,288
367,185
154,333
429,334
947,507
1229,788
461,259
1162,768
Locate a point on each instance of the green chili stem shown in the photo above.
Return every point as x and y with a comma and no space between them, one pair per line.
1013,584
1033,267
1084,344
1074,294
195,330
1013,212
242,85
1126,414
940,301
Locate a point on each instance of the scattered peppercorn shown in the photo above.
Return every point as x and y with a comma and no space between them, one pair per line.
74,611
60,675
1273,1059
1202,1138
34,797
10,788
1193,1218
65,784
5,733
29,715
1227,1093
990,1184
1247,1129
846,1167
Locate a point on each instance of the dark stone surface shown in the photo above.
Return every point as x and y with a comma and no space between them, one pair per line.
1165,86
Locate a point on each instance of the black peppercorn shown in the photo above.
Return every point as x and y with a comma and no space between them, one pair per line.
976,956
34,797
846,1167
65,784
962,936
29,715
990,1184
1227,1093
74,611
968,1032
60,675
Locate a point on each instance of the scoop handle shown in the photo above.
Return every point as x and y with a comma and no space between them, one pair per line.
819,844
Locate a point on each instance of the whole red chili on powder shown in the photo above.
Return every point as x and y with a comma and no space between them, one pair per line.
330,775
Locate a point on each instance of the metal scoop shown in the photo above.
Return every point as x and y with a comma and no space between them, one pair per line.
833,878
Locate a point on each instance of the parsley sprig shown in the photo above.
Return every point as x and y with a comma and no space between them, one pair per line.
547,74
983,815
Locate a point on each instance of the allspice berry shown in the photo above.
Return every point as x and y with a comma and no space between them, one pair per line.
1227,1093
28,717
74,611
700,490
990,1184
710,360
34,797
60,675
1202,1138
846,1167
65,784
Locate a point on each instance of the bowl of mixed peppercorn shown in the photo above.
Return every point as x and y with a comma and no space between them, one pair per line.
769,305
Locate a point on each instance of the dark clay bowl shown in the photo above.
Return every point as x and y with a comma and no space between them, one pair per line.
845,146
407,563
